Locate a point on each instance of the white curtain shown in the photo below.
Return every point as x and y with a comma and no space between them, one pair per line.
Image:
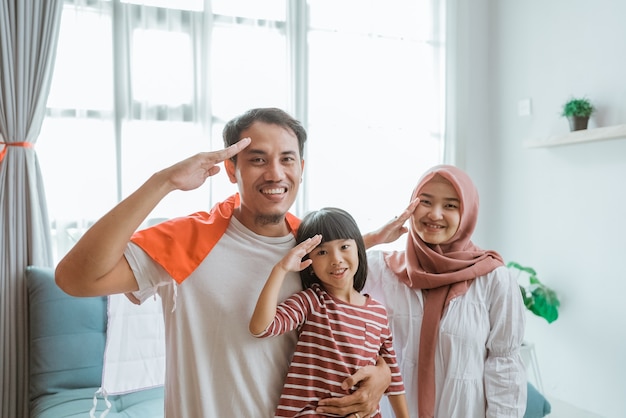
28,37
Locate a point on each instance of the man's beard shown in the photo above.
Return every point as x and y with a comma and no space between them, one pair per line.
271,219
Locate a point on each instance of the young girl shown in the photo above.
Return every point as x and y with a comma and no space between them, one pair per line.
456,313
340,330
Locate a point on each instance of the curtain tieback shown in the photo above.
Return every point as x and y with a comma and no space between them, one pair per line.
6,145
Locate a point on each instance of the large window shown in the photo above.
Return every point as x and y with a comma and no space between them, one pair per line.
139,85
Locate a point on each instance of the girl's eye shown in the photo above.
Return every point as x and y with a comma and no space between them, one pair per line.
425,202
345,247
321,252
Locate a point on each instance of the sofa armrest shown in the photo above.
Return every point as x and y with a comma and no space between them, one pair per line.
66,336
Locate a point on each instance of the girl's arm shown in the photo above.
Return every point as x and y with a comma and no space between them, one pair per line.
399,405
265,309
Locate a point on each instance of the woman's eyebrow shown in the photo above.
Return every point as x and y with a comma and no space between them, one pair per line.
448,199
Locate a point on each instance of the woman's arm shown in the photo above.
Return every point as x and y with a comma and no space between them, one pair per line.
505,373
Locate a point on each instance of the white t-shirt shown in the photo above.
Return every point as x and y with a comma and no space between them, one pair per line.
215,367
479,371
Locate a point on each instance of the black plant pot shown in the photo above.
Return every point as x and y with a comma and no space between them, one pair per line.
578,123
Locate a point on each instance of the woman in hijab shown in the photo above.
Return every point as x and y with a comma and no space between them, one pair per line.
456,313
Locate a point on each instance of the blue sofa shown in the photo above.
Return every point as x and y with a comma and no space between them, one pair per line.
67,337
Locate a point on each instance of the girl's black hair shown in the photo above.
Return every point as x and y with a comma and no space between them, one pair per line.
332,224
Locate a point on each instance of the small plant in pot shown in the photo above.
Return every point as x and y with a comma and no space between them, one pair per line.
538,298
577,111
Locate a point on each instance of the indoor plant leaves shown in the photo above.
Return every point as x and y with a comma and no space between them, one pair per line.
538,298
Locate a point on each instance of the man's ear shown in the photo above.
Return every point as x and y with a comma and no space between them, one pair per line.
229,165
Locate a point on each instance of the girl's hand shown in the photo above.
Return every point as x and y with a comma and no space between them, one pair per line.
293,260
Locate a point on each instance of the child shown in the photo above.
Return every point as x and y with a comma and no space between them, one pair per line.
340,330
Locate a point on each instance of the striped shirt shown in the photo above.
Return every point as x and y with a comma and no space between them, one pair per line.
335,340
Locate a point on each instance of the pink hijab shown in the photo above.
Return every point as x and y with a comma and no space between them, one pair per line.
443,272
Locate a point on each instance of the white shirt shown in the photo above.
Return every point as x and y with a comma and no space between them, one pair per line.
215,367
479,371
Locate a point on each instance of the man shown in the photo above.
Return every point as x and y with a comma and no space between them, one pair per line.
209,270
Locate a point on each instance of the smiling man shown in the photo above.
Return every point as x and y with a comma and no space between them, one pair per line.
208,269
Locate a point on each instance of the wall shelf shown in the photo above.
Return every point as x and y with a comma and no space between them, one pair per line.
587,135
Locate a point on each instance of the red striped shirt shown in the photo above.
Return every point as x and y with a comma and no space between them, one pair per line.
335,340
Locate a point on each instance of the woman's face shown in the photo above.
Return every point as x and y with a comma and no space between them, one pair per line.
438,214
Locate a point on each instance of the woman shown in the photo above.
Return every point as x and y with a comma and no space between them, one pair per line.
456,314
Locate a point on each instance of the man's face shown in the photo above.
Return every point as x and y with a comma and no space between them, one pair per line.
268,174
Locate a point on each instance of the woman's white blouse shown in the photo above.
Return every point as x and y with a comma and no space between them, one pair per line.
478,366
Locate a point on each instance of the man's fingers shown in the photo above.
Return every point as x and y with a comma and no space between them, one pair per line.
213,170
232,150
354,379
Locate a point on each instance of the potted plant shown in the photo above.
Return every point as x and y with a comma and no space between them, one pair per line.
577,111
538,298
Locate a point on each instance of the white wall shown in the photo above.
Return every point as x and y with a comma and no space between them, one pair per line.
560,210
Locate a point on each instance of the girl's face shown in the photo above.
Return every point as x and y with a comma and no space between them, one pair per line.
438,214
335,263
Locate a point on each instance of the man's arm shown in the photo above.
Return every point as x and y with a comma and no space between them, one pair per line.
96,266
373,381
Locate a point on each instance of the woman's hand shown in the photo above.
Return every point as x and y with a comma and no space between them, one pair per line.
392,230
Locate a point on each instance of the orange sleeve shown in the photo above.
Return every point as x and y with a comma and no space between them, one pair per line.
179,245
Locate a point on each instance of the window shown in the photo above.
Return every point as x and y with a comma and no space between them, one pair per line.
139,85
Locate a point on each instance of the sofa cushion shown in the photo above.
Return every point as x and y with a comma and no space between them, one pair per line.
67,336
77,403
537,406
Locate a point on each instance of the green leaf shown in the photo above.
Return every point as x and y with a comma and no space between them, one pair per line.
546,304
537,297
578,107
518,266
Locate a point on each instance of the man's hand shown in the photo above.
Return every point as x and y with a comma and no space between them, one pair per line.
192,172
392,230
373,381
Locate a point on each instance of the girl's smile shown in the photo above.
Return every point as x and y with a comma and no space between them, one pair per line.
335,263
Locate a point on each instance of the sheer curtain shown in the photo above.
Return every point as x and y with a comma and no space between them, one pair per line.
28,38
376,97
141,86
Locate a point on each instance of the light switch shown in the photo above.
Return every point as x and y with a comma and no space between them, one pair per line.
523,107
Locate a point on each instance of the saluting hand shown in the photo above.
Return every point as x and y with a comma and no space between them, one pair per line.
192,172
